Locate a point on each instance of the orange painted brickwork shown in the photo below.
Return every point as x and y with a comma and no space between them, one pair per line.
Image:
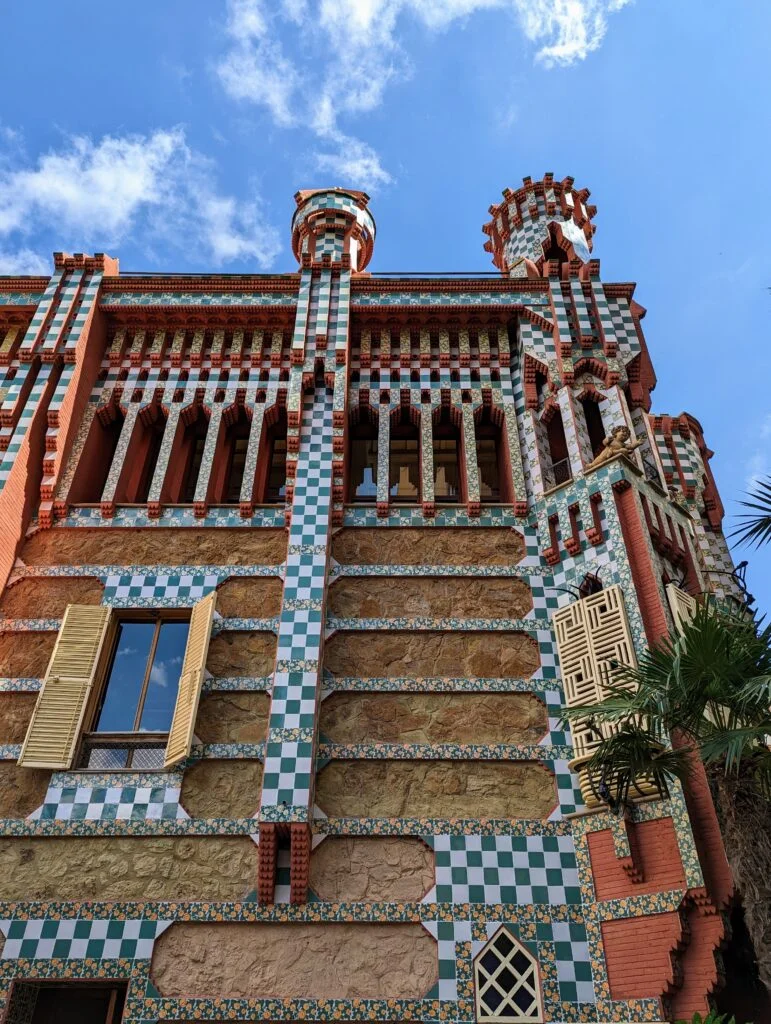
656,856
638,953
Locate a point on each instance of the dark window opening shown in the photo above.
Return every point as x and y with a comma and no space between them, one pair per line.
490,458
404,460
744,995
96,459
72,1002
362,480
137,701
275,487
447,472
193,445
236,441
558,450
594,425
152,451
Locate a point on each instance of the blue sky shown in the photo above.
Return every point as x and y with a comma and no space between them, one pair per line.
173,135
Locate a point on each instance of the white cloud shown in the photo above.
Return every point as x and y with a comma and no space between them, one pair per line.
24,261
758,463
94,194
314,61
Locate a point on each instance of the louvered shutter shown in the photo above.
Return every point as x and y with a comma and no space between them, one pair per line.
681,605
54,731
190,682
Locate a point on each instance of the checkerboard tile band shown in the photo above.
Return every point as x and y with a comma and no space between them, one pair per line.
505,869
79,939
84,802
126,589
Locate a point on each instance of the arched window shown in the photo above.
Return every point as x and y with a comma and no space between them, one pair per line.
362,467
404,459
506,981
447,472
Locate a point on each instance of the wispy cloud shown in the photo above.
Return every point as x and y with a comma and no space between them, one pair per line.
23,261
758,463
97,193
315,61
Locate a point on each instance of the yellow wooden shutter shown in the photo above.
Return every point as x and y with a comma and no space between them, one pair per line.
190,682
681,605
54,731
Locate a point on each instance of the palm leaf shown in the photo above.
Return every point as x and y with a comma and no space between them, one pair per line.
755,528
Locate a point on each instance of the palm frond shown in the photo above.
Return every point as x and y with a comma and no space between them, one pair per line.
755,528
634,754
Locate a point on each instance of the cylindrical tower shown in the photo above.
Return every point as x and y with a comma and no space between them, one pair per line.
532,221
333,225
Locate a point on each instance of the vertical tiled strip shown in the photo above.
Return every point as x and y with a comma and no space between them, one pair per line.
383,454
426,456
25,419
252,452
582,310
207,460
288,775
66,303
169,433
41,313
108,494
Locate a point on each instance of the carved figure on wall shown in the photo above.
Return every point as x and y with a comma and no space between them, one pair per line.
618,442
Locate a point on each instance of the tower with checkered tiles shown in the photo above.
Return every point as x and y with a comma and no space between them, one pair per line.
298,573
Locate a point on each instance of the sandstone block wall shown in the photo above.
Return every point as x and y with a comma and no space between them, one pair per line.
232,717
25,654
311,961
22,790
376,597
222,789
15,712
428,546
444,654
242,653
435,789
157,546
128,868
355,868
362,717
250,597
46,597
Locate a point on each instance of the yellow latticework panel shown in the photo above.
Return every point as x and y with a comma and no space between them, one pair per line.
54,730
681,605
190,682
593,639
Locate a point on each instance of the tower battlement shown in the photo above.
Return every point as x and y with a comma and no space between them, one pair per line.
533,218
333,225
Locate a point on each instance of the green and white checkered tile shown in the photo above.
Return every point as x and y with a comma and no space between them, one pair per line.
505,869
80,939
127,589
447,934
73,798
568,791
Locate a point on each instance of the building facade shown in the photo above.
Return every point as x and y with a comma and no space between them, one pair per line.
298,572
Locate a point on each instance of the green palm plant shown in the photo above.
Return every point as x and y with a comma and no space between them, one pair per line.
710,688
755,525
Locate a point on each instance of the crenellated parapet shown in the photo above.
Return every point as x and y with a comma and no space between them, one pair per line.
333,226
535,219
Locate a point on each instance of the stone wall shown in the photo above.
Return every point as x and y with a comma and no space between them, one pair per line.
435,789
250,597
375,597
355,868
242,653
22,790
311,961
15,713
418,654
232,717
25,654
46,597
431,546
222,789
128,868
363,717
157,546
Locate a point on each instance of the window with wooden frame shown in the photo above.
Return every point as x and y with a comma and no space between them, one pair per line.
506,982
132,683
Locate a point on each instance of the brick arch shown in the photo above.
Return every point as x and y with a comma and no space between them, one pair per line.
531,367
597,369
413,413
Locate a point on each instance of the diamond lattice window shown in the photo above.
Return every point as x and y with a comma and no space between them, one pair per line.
507,985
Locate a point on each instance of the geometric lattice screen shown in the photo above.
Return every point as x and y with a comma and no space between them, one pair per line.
593,638
506,982
681,605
